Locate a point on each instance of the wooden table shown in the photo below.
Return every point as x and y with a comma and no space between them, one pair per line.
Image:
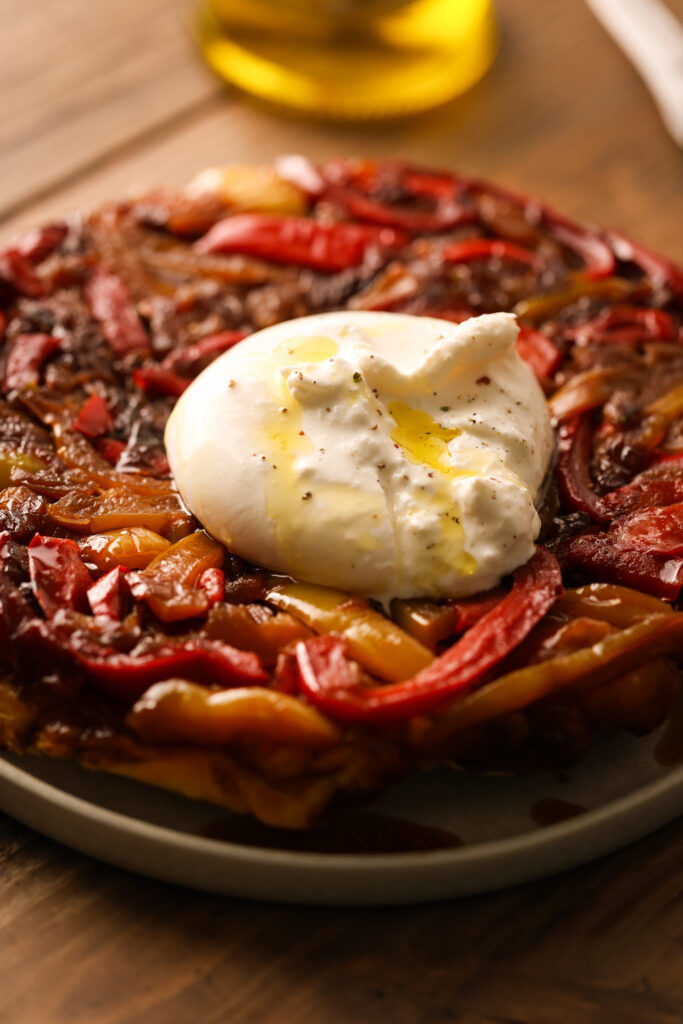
97,97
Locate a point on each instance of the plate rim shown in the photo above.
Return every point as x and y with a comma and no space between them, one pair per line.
658,796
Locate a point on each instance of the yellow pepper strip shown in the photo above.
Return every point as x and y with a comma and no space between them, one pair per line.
185,561
430,623
133,548
620,606
587,391
25,461
617,653
168,582
179,711
381,646
537,307
670,405
254,627
252,188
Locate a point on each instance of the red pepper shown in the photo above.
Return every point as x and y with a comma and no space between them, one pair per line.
585,242
212,581
110,449
126,676
111,304
26,356
468,612
424,183
300,240
655,529
331,683
574,448
660,270
185,360
489,249
154,380
60,579
38,243
107,597
625,325
448,213
657,487
3,325
349,186
604,557
94,418
538,351
17,271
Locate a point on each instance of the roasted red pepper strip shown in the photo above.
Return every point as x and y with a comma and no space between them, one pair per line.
154,380
60,579
585,242
187,360
212,582
331,683
94,418
110,449
468,612
350,185
538,351
26,357
111,304
16,270
656,529
126,676
299,240
656,487
38,243
489,249
660,270
604,557
447,214
108,596
574,449
625,325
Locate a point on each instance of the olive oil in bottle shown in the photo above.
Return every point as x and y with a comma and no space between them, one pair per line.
349,58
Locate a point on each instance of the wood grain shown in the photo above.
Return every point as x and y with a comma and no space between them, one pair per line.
98,97
83,943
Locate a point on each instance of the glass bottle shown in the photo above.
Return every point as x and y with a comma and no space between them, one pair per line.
349,58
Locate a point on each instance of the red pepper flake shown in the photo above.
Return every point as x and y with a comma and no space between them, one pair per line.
94,418
26,356
60,579
480,380
110,303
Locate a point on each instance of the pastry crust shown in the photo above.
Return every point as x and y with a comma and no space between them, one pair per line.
185,670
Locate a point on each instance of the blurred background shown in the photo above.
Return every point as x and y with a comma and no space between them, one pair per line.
100,96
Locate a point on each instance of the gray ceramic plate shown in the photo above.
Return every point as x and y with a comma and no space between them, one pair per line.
623,788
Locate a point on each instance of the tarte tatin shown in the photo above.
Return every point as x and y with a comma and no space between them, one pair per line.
132,641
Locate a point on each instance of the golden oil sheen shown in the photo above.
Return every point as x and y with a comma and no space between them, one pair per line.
349,58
